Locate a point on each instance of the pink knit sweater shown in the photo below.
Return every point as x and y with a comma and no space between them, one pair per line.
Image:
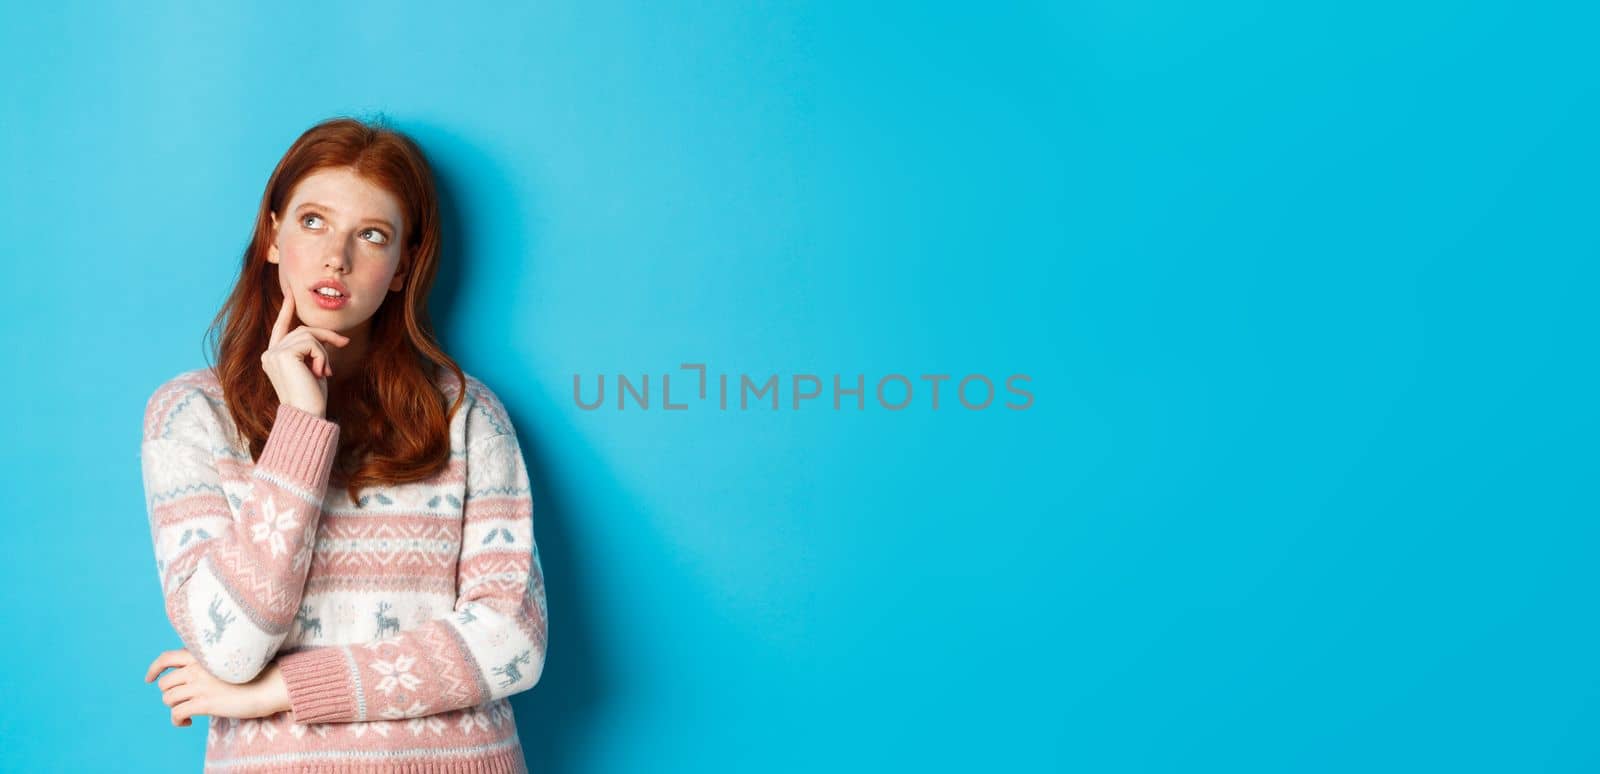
400,623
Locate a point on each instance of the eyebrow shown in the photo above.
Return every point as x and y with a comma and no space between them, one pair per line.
330,209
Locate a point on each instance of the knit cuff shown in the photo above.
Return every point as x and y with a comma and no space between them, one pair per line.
321,687
301,446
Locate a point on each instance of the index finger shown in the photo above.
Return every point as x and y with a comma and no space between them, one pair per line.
280,328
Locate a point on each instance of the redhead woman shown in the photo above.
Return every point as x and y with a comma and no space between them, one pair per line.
342,519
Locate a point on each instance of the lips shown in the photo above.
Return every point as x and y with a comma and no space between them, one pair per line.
330,302
336,285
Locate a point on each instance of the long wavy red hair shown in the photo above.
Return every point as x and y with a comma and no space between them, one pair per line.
394,419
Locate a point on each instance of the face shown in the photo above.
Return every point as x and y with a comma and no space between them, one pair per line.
338,226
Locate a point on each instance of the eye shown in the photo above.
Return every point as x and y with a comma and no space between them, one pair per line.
384,238
307,216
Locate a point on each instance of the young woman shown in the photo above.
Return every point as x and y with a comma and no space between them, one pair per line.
342,521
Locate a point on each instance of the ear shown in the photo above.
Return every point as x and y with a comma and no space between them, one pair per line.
399,280
272,247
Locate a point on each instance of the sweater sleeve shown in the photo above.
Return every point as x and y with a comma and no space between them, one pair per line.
491,645
232,566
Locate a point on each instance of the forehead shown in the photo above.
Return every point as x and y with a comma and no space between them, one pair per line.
349,195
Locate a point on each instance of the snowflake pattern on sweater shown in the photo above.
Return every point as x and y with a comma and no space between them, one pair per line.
401,623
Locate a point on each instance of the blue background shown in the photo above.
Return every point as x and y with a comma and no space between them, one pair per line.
1305,290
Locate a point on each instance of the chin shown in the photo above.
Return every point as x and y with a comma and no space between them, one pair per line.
340,321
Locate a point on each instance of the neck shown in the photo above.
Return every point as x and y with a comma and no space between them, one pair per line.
347,362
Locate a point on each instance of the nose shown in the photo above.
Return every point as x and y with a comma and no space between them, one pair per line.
338,258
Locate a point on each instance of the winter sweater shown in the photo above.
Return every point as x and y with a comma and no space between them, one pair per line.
400,623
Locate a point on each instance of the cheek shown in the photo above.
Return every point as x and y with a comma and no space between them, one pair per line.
372,285
293,251
381,275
